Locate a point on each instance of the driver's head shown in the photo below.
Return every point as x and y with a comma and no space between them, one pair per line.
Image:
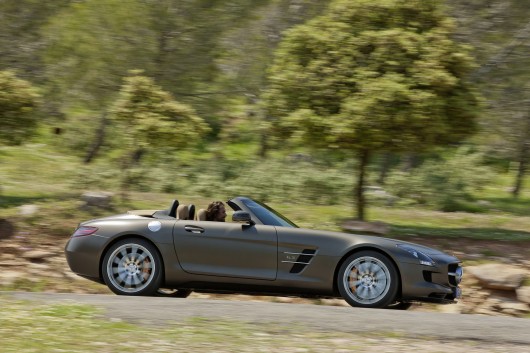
216,212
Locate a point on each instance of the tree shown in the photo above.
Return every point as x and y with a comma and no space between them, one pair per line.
500,33
370,76
18,101
151,118
89,47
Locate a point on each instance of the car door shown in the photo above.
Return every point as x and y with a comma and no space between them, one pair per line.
226,249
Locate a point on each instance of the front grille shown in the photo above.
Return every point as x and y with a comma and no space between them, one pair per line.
455,273
427,276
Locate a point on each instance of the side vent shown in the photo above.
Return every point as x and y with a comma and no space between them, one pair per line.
303,259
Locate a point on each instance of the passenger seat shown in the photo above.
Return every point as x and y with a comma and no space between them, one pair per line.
182,212
201,215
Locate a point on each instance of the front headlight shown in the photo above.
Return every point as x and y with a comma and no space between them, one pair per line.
422,258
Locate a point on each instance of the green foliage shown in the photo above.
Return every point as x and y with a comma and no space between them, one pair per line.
91,45
373,76
446,184
150,117
18,101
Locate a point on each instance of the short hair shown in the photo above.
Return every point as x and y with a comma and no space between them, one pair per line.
213,210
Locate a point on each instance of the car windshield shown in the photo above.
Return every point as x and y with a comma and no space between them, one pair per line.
267,215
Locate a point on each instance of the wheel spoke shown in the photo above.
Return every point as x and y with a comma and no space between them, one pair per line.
130,268
367,280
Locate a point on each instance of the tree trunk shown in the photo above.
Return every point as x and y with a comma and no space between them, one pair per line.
523,160
385,167
359,189
411,162
98,141
263,145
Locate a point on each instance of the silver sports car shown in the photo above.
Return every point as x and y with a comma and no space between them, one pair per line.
173,252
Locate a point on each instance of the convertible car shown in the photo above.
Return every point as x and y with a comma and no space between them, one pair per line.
175,251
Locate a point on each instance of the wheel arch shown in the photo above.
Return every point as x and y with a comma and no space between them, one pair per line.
359,249
130,236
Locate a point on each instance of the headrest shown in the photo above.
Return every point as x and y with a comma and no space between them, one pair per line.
182,212
201,215
191,211
173,208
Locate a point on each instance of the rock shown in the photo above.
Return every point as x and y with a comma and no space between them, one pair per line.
97,199
366,227
7,230
13,263
513,308
37,254
333,302
457,308
27,210
498,276
523,294
7,278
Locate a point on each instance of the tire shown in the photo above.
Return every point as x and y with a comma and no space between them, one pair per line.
132,267
399,306
368,279
174,293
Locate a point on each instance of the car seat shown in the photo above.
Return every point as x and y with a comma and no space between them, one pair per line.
201,215
191,211
182,212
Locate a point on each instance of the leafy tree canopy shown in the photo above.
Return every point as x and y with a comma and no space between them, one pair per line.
373,75
152,118
91,45
18,101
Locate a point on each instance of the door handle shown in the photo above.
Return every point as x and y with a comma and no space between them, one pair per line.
194,229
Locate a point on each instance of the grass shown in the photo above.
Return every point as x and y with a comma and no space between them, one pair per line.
38,174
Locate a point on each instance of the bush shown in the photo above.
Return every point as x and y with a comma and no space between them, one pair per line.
446,184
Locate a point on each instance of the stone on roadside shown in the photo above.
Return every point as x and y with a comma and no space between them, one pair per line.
7,230
523,294
7,278
513,307
28,210
37,254
498,276
97,199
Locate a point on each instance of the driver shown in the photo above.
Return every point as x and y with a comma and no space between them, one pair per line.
216,212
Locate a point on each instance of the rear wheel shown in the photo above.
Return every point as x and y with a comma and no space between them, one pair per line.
368,279
132,267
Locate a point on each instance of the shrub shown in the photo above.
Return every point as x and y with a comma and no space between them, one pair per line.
446,184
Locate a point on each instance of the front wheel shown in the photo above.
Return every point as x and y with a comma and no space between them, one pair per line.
132,267
368,279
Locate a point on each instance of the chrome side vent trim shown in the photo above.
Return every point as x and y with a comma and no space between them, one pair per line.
300,259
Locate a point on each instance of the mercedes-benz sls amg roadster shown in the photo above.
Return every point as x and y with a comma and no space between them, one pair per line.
175,251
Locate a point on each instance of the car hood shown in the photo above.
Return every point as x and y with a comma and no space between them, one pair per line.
360,238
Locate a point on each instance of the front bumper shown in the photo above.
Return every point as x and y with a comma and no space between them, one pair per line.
438,284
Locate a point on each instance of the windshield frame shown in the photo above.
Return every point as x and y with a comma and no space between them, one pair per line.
265,215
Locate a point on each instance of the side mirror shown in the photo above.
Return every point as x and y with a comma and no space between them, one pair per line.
243,217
